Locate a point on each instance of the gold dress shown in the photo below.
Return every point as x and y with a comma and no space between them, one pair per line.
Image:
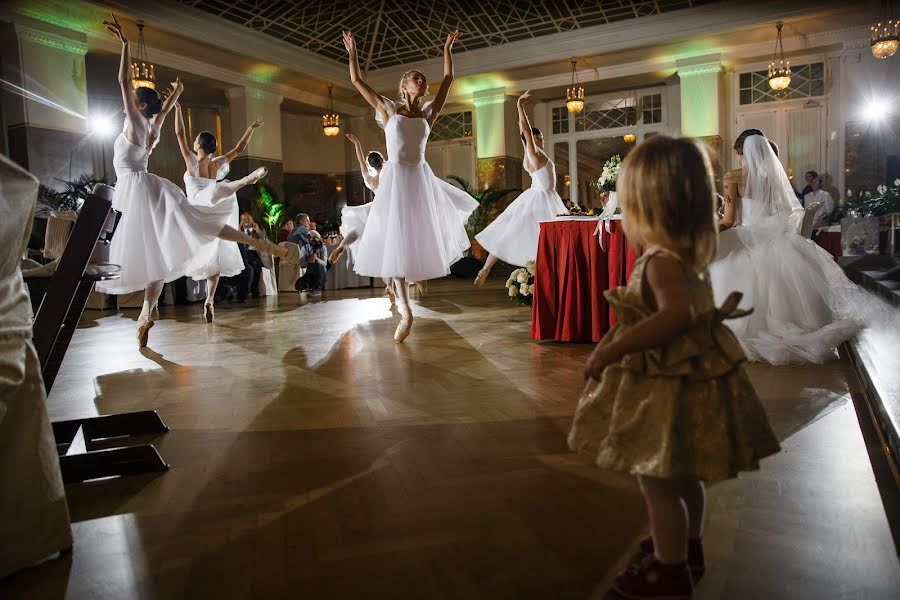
686,409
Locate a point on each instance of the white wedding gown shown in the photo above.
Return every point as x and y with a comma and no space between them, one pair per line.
221,258
354,218
416,226
800,297
513,236
160,232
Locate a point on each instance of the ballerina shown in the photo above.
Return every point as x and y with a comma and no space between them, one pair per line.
160,231
204,189
513,236
416,229
795,288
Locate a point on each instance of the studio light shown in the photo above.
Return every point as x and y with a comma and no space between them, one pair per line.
100,125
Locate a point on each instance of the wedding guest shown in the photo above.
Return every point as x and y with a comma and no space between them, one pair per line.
817,194
286,230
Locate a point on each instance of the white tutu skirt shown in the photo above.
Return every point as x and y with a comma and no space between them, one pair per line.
416,226
513,236
353,221
159,233
222,257
799,295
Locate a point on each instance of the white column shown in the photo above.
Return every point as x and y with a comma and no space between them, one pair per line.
245,106
700,95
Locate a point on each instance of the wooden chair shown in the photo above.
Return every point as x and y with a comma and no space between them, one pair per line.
62,298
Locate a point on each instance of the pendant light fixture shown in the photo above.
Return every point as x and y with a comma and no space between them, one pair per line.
574,94
142,73
779,69
331,121
885,33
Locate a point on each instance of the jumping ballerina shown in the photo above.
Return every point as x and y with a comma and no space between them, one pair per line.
416,229
205,188
513,236
160,231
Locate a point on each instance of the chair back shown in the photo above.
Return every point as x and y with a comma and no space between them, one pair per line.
809,217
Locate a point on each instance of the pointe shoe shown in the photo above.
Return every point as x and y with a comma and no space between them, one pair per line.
256,175
480,278
337,254
422,288
209,312
403,328
143,332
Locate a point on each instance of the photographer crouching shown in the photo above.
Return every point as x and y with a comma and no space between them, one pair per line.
313,256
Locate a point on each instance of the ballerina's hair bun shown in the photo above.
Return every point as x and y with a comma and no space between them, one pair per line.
150,98
375,160
739,142
207,142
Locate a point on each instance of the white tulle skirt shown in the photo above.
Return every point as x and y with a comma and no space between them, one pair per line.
513,236
353,222
799,295
221,258
416,226
159,233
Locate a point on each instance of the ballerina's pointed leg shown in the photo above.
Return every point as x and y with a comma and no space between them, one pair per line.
145,320
208,311
389,290
290,253
485,270
406,317
422,288
226,189
338,252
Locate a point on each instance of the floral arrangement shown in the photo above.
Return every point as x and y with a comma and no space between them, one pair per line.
577,211
607,179
864,204
520,284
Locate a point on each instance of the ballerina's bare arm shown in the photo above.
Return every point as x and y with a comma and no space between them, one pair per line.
186,153
360,157
171,97
667,285
375,100
242,143
133,115
441,97
537,159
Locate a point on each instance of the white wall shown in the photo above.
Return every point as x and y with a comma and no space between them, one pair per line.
305,149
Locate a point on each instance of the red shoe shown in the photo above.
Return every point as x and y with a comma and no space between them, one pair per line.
653,580
695,561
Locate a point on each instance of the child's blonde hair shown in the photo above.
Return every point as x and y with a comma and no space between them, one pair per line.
667,192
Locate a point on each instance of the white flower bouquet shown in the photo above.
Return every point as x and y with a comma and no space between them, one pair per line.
520,285
607,183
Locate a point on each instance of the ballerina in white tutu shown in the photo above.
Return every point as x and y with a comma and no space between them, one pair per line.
353,218
513,236
798,293
416,228
206,188
160,231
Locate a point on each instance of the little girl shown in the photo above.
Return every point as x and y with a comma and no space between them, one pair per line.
668,399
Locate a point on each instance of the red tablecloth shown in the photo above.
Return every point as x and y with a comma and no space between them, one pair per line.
831,241
571,273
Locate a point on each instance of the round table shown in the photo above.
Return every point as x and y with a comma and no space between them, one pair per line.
341,274
578,259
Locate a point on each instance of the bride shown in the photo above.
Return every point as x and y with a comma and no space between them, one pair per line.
795,288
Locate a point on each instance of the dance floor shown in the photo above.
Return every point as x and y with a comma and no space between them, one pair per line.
313,457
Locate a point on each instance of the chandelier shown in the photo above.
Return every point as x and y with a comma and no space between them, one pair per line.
779,70
885,34
574,94
331,121
142,74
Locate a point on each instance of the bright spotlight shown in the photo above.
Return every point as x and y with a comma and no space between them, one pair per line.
101,126
877,110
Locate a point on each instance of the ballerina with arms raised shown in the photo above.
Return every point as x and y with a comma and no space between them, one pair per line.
513,236
205,188
416,228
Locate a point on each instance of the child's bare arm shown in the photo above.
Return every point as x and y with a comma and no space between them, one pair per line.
666,279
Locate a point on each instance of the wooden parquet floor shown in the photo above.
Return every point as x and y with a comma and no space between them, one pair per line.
312,457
